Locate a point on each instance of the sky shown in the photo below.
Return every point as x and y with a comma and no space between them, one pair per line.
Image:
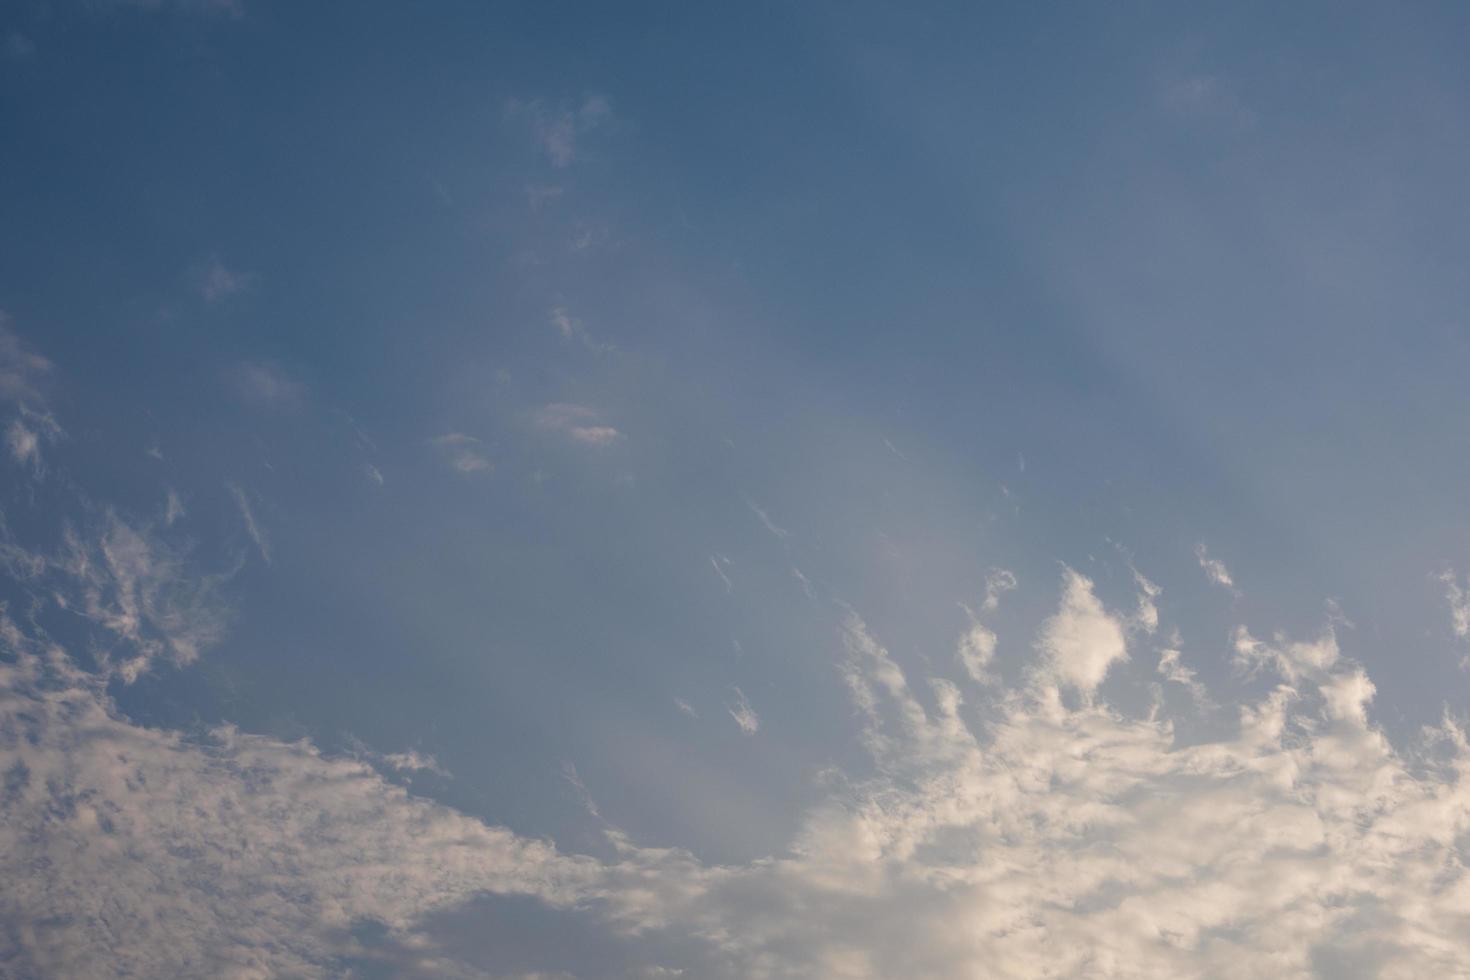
806,489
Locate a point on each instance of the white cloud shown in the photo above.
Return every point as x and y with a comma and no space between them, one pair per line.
745,717
27,433
145,600
803,581
557,131
252,526
1146,618
1171,668
720,563
578,423
173,508
267,386
572,328
1049,840
1081,641
413,761
997,584
465,453
1205,97
779,533
373,474
217,282
1458,599
131,850
1214,569
976,647
21,369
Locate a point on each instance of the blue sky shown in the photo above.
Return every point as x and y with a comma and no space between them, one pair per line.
845,490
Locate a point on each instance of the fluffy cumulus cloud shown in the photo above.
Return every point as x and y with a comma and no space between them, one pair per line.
1023,831
1042,836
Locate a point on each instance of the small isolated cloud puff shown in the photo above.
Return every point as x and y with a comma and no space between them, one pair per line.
571,328
465,453
578,423
745,717
217,282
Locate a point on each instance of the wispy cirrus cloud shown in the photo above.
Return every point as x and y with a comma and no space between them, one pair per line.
579,423
743,714
21,369
464,453
557,130
1457,598
1214,569
268,386
217,281
252,527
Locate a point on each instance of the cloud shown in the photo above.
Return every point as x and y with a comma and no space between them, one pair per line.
779,533
720,563
976,647
173,508
997,583
252,527
578,423
1458,599
557,131
413,761
1205,97
1049,840
266,386
1214,569
745,717
21,369
373,474
217,282
1171,668
1146,618
25,436
128,850
143,598
803,581
465,454
571,328
1081,641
